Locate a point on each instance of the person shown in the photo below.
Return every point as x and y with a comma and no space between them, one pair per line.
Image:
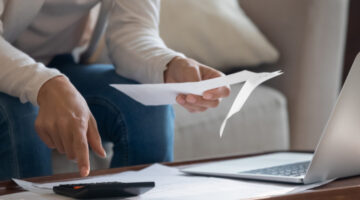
50,101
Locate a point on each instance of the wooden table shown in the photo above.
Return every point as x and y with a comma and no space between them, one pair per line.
347,188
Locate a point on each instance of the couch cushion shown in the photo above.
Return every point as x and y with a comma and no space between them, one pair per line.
216,33
261,125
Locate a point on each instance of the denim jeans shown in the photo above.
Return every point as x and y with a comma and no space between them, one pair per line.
140,134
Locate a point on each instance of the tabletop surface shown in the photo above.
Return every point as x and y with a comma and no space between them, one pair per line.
347,188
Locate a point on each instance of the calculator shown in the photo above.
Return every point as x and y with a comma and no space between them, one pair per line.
103,190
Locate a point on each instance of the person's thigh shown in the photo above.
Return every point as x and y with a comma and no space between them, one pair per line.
141,134
22,153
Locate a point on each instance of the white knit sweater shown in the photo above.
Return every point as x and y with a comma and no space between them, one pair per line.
132,37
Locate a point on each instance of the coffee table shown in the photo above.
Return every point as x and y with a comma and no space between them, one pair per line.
346,188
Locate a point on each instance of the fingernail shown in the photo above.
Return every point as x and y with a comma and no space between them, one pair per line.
191,99
208,96
104,154
84,171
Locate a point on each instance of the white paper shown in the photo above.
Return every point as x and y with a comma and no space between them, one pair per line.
171,184
164,94
244,94
33,196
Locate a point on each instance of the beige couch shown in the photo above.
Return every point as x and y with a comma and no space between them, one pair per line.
309,35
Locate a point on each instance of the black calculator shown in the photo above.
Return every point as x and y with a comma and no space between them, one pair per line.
103,190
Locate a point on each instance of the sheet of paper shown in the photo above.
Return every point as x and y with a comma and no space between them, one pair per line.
171,184
244,94
164,94
33,196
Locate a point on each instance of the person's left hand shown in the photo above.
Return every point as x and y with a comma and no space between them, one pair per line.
188,70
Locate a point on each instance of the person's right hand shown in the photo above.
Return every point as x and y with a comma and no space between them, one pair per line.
65,122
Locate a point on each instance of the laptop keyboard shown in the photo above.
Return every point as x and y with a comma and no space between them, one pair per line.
294,170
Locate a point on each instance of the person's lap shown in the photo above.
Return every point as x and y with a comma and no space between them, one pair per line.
140,134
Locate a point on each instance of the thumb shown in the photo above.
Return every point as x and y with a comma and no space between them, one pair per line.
209,73
94,138
191,73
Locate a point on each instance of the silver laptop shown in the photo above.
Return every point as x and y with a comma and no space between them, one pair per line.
337,153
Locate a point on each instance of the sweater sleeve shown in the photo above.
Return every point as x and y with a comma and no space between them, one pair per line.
135,46
20,75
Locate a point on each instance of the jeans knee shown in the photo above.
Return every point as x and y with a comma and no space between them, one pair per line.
158,123
162,114
8,155
156,140
141,134
6,128
23,153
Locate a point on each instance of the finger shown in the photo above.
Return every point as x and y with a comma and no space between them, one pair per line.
69,149
180,99
200,101
47,140
194,108
68,146
82,153
63,131
217,93
94,138
43,135
57,141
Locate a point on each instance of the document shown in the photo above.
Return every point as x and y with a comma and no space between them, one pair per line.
164,94
244,94
171,184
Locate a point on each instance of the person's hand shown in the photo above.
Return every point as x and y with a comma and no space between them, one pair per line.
65,122
188,70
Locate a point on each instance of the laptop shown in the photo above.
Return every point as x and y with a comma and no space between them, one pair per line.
337,154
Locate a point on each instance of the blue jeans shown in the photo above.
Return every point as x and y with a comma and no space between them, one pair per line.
140,134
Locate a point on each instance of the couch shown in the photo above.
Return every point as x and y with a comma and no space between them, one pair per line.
288,112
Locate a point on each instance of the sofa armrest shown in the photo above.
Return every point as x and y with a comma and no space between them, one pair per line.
309,35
